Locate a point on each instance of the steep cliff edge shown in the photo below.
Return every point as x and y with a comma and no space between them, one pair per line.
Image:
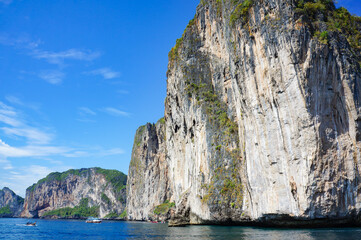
77,194
262,114
11,204
148,184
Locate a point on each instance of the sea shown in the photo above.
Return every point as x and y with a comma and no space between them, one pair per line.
15,228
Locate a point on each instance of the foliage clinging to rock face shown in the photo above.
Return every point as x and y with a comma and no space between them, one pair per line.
80,211
124,214
116,178
241,12
163,208
5,211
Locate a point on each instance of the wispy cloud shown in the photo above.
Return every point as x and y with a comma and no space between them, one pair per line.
22,42
33,135
85,115
5,164
17,101
115,112
86,111
71,54
14,100
16,126
52,76
8,151
95,152
59,58
106,73
110,152
8,115
77,154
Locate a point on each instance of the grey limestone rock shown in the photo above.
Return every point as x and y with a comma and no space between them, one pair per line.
103,188
11,204
148,183
262,119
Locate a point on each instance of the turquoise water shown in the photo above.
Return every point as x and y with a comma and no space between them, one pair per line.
61,229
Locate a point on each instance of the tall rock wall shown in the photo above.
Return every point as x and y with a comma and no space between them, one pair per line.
104,190
148,182
11,204
262,114
295,102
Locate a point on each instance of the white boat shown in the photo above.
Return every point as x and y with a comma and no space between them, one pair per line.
93,220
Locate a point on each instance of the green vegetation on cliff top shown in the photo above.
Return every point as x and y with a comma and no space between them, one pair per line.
323,17
116,178
174,52
80,211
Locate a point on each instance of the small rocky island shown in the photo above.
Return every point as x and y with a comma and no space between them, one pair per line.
74,194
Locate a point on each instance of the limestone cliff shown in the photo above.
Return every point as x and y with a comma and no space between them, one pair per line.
148,184
77,194
262,114
11,204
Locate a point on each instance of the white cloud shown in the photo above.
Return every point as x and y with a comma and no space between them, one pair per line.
86,111
52,76
22,42
85,114
17,127
96,152
110,152
17,101
8,167
71,54
33,135
115,112
106,73
8,115
5,164
8,151
14,100
76,154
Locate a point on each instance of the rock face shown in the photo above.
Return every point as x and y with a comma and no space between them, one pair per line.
148,184
11,204
262,116
103,190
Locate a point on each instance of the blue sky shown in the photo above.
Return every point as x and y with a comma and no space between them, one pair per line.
77,78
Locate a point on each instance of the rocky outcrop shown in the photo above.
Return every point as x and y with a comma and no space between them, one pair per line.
262,115
77,193
148,184
11,204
